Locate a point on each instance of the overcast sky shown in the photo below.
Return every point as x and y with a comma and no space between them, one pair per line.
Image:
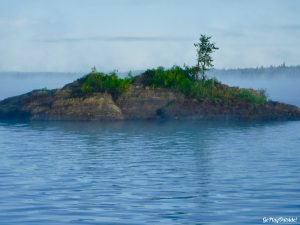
75,35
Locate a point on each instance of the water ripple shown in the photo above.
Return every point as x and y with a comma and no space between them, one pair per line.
148,173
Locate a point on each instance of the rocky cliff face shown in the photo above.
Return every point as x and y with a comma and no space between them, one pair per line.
60,105
138,103
146,103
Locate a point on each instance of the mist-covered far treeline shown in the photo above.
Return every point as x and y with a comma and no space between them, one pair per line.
261,71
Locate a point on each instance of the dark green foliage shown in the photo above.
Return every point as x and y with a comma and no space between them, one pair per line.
101,82
176,78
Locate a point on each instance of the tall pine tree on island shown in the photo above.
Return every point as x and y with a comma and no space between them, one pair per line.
204,60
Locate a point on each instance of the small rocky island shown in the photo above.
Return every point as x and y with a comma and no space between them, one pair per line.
155,94
175,93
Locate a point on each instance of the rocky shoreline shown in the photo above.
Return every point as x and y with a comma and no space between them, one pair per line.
138,103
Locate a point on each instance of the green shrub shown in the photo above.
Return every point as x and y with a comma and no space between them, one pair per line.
110,83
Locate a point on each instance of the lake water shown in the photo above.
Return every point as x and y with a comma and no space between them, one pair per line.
180,172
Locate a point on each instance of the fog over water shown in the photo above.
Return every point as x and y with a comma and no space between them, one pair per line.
280,84
283,89
16,83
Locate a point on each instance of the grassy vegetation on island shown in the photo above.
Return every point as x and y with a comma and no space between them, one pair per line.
190,81
101,82
176,78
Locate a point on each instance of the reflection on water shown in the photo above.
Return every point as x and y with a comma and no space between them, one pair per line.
148,172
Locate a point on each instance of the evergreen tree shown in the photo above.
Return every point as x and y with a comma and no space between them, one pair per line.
204,50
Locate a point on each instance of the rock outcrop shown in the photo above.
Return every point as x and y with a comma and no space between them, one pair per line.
137,103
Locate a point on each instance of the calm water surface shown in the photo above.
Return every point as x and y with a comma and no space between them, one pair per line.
148,172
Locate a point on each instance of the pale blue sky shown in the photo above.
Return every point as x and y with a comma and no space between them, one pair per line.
75,35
